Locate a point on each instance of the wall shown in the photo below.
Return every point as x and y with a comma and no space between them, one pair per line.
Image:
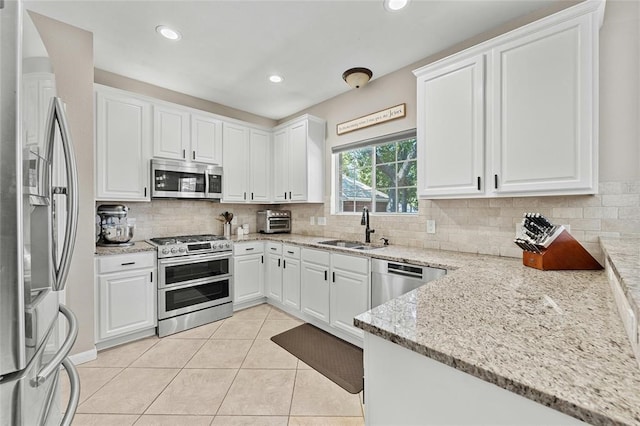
71,53
136,86
488,226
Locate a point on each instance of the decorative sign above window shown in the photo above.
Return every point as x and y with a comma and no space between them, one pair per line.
383,116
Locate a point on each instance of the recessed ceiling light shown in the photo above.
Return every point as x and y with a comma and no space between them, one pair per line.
169,33
394,5
275,78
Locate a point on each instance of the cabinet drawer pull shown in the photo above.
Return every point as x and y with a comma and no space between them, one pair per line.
290,252
128,263
250,248
273,248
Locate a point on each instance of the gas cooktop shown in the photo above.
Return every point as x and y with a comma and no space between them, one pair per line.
187,239
185,245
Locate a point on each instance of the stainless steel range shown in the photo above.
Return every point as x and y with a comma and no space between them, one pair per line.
195,281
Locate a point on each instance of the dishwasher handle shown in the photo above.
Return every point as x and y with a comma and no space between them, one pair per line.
405,270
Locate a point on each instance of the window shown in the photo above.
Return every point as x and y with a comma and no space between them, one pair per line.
379,174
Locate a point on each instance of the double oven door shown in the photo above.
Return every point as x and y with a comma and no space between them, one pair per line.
191,283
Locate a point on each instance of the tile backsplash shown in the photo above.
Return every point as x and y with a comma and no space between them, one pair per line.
485,226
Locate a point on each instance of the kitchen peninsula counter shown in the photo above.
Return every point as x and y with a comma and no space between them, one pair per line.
554,337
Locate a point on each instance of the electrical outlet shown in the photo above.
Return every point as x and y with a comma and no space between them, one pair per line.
322,220
312,220
431,226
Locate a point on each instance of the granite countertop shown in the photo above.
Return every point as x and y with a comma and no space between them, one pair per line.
552,336
624,256
137,247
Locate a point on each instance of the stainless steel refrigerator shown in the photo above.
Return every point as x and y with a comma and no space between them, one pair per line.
38,213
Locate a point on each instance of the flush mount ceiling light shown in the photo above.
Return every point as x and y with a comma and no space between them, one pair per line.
395,5
357,77
276,78
168,33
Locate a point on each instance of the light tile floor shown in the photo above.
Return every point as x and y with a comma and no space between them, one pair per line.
224,373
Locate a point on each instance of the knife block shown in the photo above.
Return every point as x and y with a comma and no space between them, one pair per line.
564,253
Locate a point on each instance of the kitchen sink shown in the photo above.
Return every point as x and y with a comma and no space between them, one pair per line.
356,245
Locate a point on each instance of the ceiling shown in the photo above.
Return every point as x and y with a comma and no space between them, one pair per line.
229,48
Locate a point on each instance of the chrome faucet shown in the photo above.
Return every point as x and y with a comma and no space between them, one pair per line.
365,222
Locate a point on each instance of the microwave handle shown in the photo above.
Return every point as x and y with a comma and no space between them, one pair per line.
206,183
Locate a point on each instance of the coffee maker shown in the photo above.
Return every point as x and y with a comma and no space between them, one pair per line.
115,228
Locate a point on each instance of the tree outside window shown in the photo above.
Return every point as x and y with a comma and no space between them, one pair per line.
380,177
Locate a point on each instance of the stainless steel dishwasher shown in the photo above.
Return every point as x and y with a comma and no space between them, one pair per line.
392,279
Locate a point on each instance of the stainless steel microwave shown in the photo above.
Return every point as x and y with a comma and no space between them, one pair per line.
179,179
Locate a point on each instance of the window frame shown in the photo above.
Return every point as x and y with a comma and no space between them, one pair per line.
336,203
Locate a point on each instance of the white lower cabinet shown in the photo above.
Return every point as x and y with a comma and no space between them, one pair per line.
273,271
248,272
315,284
335,288
125,295
291,271
349,291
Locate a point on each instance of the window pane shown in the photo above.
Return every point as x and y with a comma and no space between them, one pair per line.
386,176
407,173
385,200
407,200
407,149
386,153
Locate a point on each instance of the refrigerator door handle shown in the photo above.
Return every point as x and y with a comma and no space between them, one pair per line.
57,114
64,350
74,392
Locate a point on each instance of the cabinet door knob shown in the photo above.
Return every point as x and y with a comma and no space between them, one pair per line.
184,153
194,155
478,183
495,181
325,275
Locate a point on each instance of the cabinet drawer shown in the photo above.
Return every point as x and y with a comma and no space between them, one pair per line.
273,248
291,251
355,264
125,262
316,256
252,247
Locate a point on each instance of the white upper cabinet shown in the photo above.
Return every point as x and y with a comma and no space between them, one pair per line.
246,154
298,160
171,133
451,129
542,93
516,115
123,146
206,139
179,133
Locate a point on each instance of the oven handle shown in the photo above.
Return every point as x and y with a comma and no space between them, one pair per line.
195,283
193,258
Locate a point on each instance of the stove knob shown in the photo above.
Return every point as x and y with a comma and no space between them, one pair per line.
182,250
227,245
174,250
165,251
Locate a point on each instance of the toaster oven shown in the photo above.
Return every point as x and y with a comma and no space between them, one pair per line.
274,221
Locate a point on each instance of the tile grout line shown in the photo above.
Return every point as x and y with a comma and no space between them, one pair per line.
174,377
239,368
